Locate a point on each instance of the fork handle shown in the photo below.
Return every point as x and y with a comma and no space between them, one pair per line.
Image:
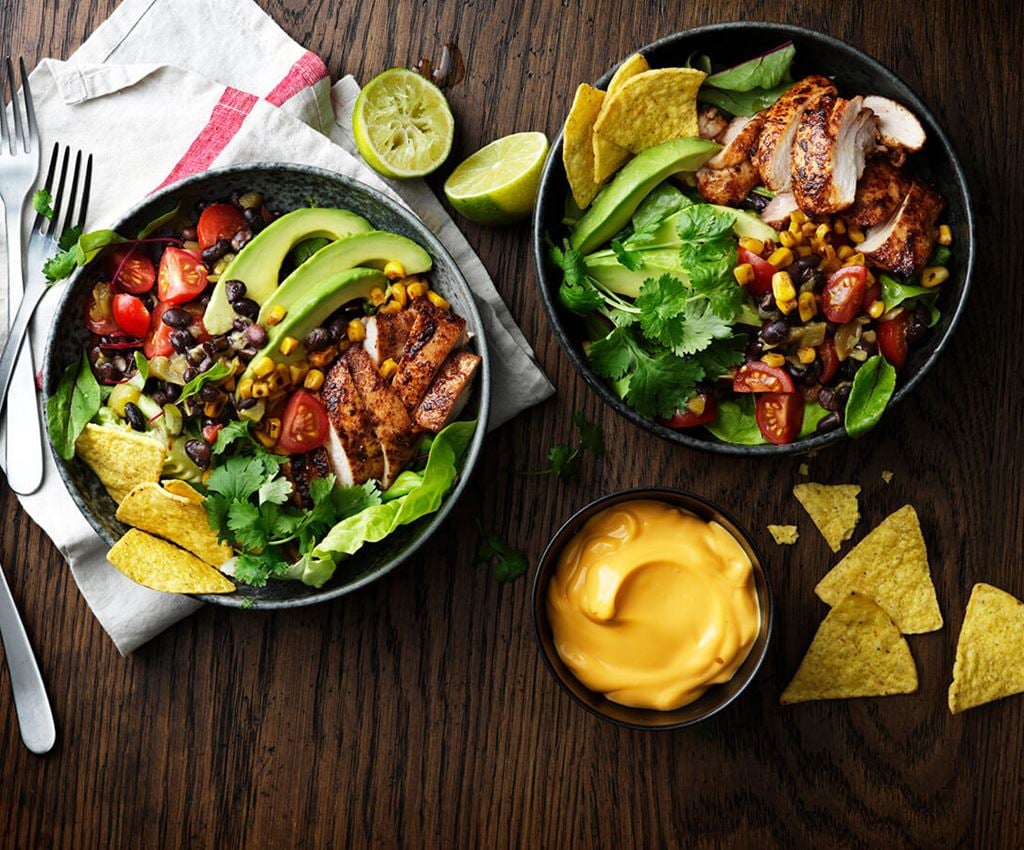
15,338
35,717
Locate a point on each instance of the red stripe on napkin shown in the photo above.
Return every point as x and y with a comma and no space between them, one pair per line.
225,121
308,70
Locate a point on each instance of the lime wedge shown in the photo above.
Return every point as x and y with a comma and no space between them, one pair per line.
498,184
402,124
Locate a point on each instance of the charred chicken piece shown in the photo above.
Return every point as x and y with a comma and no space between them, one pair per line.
897,125
435,334
711,124
386,335
904,243
729,175
353,448
302,469
778,211
880,192
449,391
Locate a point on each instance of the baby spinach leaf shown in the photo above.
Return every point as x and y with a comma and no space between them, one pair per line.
217,372
72,406
742,103
736,424
762,72
873,386
896,292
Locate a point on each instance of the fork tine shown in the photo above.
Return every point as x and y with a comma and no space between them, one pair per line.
5,131
68,208
58,196
18,137
86,186
32,139
41,220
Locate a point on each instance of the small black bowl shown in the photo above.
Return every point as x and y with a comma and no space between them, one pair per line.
717,697
855,73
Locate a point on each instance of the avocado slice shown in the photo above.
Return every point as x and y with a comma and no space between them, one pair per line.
258,264
614,206
373,249
610,273
322,299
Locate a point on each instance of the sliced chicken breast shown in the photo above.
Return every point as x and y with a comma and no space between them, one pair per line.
778,211
880,192
352,447
386,335
772,157
833,139
711,124
435,334
302,469
898,126
449,392
904,243
729,175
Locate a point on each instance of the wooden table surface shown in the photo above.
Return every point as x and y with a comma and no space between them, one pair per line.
417,712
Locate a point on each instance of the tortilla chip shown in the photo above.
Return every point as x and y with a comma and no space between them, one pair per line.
608,156
785,535
988,655
183,489
856,652
578,144
160,565
832,508
891,566
886,475
652,107
176,518
120,459
804,469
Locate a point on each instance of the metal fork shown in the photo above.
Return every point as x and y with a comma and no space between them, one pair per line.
19,168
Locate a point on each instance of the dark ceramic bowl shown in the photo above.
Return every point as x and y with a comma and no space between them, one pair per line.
855,73
285,187
717,697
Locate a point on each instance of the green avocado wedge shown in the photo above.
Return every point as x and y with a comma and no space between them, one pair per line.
614,206
258,264
322,299
605,268
373,250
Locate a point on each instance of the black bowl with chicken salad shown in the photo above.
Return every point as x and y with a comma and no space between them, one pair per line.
305,356
665,288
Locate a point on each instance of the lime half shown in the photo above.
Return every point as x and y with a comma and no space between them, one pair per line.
498,184
402,124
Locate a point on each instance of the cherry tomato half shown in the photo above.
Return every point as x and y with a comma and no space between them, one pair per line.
892,339
182,276
687,418
757,376
829,360
130,270
218,221
304,425
763,271
131,315
210,432
844,293
99,312
158,340
780,416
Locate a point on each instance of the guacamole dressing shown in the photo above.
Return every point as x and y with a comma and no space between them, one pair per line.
650,606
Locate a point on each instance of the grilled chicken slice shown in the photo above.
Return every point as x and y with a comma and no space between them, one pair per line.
391,422
772,157
778,211
729,175
386,335
904,243
352,446
833,139
711,124
880,192
898,126
302,469
435,334
449,391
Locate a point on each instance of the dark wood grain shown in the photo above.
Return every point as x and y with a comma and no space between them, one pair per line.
416,713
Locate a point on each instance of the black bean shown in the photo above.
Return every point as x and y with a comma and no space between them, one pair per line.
235,289
868,347
797,373
236,199
830,422
775,332
317,339
107,372
241,239
190,373
134,416
828,398
188,234
207,364
916,330
802,265
817,281
216,251
755,202
848,368
811,373
843,393
754,349
199,452
337,328
182,341
172,391
256,335
254,218
177,318
209,392
246,354
247,307
241,323
246,403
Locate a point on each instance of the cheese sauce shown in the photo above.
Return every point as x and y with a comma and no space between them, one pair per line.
650,605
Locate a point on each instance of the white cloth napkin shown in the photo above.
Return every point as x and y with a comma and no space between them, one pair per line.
166,88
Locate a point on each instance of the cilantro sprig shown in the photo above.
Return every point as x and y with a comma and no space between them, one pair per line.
506,563
564,459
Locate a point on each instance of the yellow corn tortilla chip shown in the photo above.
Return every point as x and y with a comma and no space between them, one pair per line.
176,518
652,107
988,654
886,475
803,469
608,156
832,508
120,459
160,565
785,535
183,489
891,566
578,144
856,652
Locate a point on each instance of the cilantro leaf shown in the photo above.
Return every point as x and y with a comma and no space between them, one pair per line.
698,325
349,501
506,563
239,477
662,384
563,461
255,569
42,203
703,223
632,260
591,435
248,525
234,430
577,293
660,302
718,358
276,491
614,355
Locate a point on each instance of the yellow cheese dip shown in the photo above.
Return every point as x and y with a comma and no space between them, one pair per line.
650,605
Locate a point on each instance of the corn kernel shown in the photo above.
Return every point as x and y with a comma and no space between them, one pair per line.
828,254
273,428
809,230
781,258
856,235
857,259
321,358
205,476
245,388
377,296
945,235
804,250
192,247
314,380
787,239
839,226
870,278
744,274
221,265
388,368
808,305
417,289
845,252
390,307
933,276
283,372
265,439
806,355
288,345
398,294
438,301
260,389
798,216
755,246
356,331
876,309
795,226
773,359
782,287
296,373
212,408
393,270
822,230
697,404
263,366
277,312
